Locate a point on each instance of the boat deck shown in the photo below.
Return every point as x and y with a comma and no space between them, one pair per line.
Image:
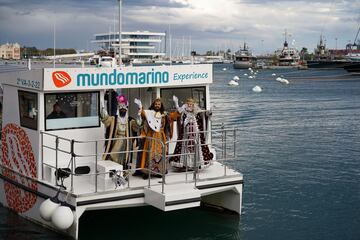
85,185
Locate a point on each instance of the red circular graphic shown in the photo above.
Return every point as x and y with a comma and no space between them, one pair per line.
17,155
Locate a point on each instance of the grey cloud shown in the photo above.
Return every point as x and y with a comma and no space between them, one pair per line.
22,13
77,21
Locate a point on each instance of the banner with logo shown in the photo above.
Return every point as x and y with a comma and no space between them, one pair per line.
60,79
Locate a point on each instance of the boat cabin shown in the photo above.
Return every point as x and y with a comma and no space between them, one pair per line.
55,105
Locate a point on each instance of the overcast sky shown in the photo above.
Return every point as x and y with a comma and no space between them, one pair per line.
211,24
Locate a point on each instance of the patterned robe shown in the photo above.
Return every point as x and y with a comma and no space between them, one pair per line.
189,126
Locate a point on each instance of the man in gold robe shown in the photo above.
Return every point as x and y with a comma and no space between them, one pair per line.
156,130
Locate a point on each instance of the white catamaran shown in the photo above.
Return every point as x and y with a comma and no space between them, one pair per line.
52,170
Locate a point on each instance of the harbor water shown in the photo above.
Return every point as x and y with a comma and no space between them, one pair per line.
299,151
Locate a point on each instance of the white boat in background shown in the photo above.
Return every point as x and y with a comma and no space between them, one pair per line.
139,62
52,170
352,57
107,61
288,56
162,61
243,58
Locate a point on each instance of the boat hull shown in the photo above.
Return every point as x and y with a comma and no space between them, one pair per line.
242,64
327,64
353,68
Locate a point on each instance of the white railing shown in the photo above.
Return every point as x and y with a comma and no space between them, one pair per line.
223,146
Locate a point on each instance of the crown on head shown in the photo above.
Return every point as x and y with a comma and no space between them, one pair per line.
122,101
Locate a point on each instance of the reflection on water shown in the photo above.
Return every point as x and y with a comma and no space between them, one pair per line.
13,227
150,223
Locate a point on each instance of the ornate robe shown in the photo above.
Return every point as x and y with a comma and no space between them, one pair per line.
117,150
190,127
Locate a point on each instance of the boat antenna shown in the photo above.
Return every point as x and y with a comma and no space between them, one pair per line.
357,36
120,57
109,48
170,45
113,36
54,40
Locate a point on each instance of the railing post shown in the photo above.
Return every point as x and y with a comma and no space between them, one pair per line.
196,157
72,165
222,141
42,154
234,142
128,179
96,167
56,157
164,165
186,165
149,161
225,153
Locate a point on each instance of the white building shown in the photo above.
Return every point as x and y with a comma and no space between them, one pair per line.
10,51
135,45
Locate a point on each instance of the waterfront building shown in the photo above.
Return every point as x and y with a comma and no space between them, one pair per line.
139,45
10,51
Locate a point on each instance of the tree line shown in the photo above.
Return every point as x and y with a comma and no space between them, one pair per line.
30,52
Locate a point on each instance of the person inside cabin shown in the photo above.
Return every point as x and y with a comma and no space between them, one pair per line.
190,122
111,100
57,112
118,129
156,127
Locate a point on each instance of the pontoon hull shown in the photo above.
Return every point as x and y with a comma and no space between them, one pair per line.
242,64
226,194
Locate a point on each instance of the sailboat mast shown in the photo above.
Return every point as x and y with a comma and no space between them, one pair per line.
120,57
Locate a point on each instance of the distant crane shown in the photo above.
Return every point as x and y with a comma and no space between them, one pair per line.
357,36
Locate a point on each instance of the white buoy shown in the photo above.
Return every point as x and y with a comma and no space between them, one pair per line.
285,81
274,74
47,208
282,80
245,74
250,69
233,83
62,218
257,89
251,77
236,78
224,69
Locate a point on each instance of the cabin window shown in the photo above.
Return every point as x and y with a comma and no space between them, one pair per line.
197,93
71,110
28,102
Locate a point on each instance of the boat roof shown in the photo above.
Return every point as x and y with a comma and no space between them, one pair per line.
95,78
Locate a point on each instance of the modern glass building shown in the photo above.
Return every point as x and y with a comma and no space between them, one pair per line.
135,45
